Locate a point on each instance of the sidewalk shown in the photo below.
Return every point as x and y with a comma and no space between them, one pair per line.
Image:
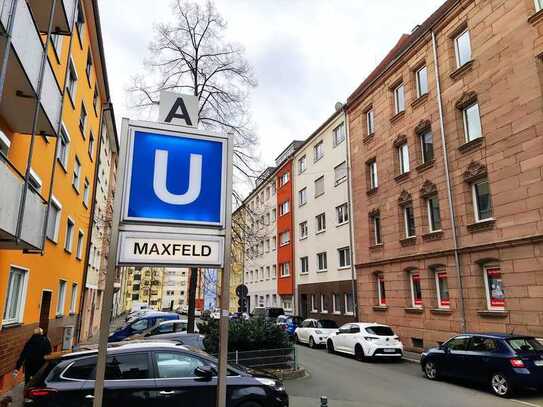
411,356
16,395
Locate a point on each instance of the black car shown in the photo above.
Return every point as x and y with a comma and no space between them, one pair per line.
149,374
503,362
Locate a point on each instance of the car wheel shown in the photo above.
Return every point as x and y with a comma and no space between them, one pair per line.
500,385
311,342
430,370
330,346
359,353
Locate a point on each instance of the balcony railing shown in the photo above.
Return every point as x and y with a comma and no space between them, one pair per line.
62,15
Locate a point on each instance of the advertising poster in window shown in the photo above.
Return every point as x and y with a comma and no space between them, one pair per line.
382,294
417,292
495,287
443,290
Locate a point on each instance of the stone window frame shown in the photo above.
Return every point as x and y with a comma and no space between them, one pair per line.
375,213
467,100
379,278
367,135
396,115
398,143
485,265
458,70
370,190
435,271
427,192
423,127
475,173
410,272
405,200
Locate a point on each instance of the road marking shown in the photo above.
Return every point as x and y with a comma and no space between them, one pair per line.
526,403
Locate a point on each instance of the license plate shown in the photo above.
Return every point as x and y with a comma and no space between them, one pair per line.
538,362
389,350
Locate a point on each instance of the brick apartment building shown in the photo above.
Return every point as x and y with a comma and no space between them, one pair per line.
463,90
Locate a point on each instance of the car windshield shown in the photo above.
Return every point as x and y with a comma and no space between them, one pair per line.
380,331
327,324
525,344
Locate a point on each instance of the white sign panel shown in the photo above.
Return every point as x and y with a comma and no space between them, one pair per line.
178,109
170,249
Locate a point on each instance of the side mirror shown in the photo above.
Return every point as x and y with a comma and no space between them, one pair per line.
205,372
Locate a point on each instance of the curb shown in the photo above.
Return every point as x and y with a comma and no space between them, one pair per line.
410,360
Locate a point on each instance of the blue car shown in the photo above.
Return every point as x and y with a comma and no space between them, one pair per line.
141,323
501,361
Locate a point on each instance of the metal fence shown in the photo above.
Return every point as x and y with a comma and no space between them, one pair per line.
284,358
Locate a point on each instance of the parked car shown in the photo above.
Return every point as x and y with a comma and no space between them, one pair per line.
135,314
365,340
503,362
141,323
289,323
215,314
149,374
164,327
315,332
268,313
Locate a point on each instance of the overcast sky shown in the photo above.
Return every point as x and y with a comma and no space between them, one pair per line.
306,54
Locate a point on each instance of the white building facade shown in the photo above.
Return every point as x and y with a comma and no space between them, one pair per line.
174,288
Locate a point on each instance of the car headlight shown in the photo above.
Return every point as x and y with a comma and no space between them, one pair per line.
271,383
370,338
318,332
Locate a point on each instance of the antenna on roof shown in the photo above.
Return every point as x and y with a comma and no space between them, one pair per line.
338,106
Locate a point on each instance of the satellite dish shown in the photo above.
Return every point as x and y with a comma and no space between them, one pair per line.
338,106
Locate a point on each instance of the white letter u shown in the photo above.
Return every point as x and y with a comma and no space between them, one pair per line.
160,176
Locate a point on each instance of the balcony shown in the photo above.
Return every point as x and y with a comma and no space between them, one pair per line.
33,215
23,74
62,16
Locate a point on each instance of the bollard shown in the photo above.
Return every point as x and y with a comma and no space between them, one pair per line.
324,401
237,358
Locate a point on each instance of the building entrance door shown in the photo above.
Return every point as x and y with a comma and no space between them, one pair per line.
303,306
44,310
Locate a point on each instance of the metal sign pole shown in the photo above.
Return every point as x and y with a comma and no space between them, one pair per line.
225,283
107,298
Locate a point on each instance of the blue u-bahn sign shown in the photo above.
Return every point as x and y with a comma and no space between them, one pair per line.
175,177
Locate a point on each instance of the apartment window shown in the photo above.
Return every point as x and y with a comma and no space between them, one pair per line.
318,151
403,157
69,235
302,196
34,180
313,305
416,291
370,124
273,215
426,146
5,144
342,214
349,304
344,256
95,99
372,171
381,293
80,19
375,223
86,192
284,208
71,81
434,218
284,269
261,273
495,295
53,221
302,164
284,238
409,220
303,230
61,299
274,271
79,247
268,272
63,146
56,41
399,98
274,243
267,219
77,174
73,301
319,186
15,299
91,145
442,289
472,122
322,261
304,265
462,48
538,5
88,67
336,304
321,222
267,245
339,134
268,193
324,304
83,119
283,179
273,189
482,204
340,172
422,81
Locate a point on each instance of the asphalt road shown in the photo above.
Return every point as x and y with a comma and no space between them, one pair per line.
349,383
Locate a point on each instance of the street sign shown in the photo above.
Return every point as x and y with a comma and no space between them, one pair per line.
170,249
178,109
175,176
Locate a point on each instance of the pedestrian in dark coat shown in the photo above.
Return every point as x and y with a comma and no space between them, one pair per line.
33,355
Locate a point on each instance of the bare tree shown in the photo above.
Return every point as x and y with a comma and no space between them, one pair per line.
190,55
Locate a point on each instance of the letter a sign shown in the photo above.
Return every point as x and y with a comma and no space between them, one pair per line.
178,109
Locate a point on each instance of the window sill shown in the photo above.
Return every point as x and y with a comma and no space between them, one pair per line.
63,166
324,312
409,241
414,310
380,308
493,313
397,116
431,236
425,165
536,17
376,247
59,316
322,271
372,191
68,251
75,189
344,268
420,100
336,312
340,181
55,242
402,177
368,138
341,224
462,70
441,311
320,232
482,226
471,145
70,98
316,196
11,325
303,238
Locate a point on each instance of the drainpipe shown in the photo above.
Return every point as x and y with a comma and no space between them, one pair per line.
449,188
350,211
34,125
7,47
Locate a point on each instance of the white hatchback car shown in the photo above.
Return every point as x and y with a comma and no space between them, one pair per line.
314,332
365,340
